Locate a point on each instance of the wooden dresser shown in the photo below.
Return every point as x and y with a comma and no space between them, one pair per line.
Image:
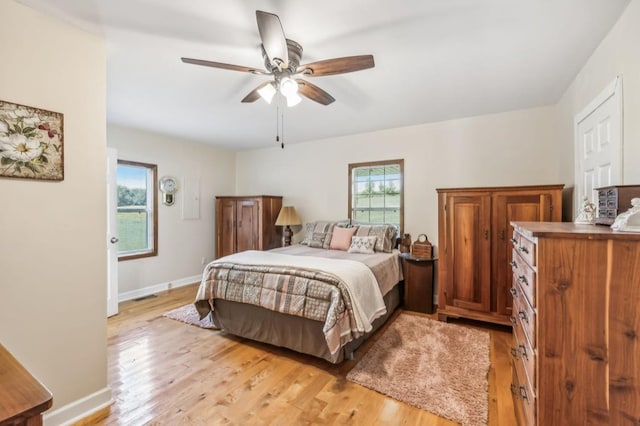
247,223
23,399
474,235
576,321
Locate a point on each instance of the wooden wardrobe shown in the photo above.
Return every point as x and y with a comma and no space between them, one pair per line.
247,223
474,243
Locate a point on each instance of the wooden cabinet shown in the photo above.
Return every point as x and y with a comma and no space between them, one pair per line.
418,283
475,249
23,398
247,223
576,293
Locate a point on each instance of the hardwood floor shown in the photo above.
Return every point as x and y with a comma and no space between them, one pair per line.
162,371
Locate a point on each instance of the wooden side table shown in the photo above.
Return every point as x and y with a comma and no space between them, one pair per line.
418,283
22,397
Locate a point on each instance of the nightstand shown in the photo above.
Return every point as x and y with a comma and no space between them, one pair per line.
418,283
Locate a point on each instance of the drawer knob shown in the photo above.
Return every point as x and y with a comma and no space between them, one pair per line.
513,264
514,241
523,279
523,316
523,352
513,291
523,394
524,249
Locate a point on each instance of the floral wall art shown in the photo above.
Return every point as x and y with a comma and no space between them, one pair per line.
31,142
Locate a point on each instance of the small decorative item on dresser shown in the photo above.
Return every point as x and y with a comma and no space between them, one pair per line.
613,200
422,248
586,213
405,243
629,221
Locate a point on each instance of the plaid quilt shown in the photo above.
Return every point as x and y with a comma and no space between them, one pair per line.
315,295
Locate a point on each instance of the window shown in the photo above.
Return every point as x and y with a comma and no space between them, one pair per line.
376,192
137,210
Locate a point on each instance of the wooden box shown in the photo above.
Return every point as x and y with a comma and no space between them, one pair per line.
613,200
422,248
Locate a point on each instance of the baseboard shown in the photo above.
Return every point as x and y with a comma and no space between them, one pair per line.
156,288
79,409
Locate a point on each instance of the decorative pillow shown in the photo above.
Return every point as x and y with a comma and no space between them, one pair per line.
364,245
386,235
320,226
317,239
308,233
341,239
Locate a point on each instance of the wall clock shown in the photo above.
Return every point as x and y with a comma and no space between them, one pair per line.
168,187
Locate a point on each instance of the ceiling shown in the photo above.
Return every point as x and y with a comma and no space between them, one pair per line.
435,60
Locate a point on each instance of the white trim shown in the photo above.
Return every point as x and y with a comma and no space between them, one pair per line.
156,288
79,409
613,89
610,90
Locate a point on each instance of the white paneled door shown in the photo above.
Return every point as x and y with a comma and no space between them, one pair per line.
112,232
599,144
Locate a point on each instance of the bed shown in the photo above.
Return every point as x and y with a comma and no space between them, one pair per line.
309,297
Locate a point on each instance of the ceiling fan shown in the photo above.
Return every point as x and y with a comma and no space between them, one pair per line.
282,61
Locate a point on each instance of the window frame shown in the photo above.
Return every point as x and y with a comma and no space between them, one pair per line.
153,251
352,166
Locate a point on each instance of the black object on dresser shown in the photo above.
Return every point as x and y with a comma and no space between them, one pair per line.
613,200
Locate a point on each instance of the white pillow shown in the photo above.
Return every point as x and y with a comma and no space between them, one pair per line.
365,245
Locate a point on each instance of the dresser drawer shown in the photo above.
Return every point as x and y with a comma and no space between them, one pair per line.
527,249
517,402
525,276
524,399
525,314
524,352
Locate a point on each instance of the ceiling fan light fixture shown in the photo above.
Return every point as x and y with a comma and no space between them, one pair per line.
267,92
288,87
293,99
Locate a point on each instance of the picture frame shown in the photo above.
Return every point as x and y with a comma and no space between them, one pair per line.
31,142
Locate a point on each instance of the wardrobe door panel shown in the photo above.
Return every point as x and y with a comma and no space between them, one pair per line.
470,251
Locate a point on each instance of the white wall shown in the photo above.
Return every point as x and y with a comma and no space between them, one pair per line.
618,53
52,234
513,148
181,243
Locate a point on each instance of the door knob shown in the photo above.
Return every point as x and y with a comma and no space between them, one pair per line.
114,240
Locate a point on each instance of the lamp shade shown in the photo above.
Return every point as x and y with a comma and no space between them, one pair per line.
267,92
293,99
288,216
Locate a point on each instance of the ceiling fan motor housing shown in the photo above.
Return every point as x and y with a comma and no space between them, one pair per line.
294,50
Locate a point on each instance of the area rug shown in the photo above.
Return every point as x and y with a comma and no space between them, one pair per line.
188,314
438,367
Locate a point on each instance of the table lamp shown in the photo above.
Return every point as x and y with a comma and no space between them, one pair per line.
288,216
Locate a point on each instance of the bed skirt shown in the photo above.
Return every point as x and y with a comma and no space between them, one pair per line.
289,331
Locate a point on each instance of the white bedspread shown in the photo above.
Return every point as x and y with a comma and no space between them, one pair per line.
359,281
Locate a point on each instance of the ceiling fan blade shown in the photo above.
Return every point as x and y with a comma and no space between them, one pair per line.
254,95
223,66
337,66
273,40
313,92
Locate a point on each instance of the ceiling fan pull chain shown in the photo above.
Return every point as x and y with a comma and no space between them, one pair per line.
277,123
282,124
